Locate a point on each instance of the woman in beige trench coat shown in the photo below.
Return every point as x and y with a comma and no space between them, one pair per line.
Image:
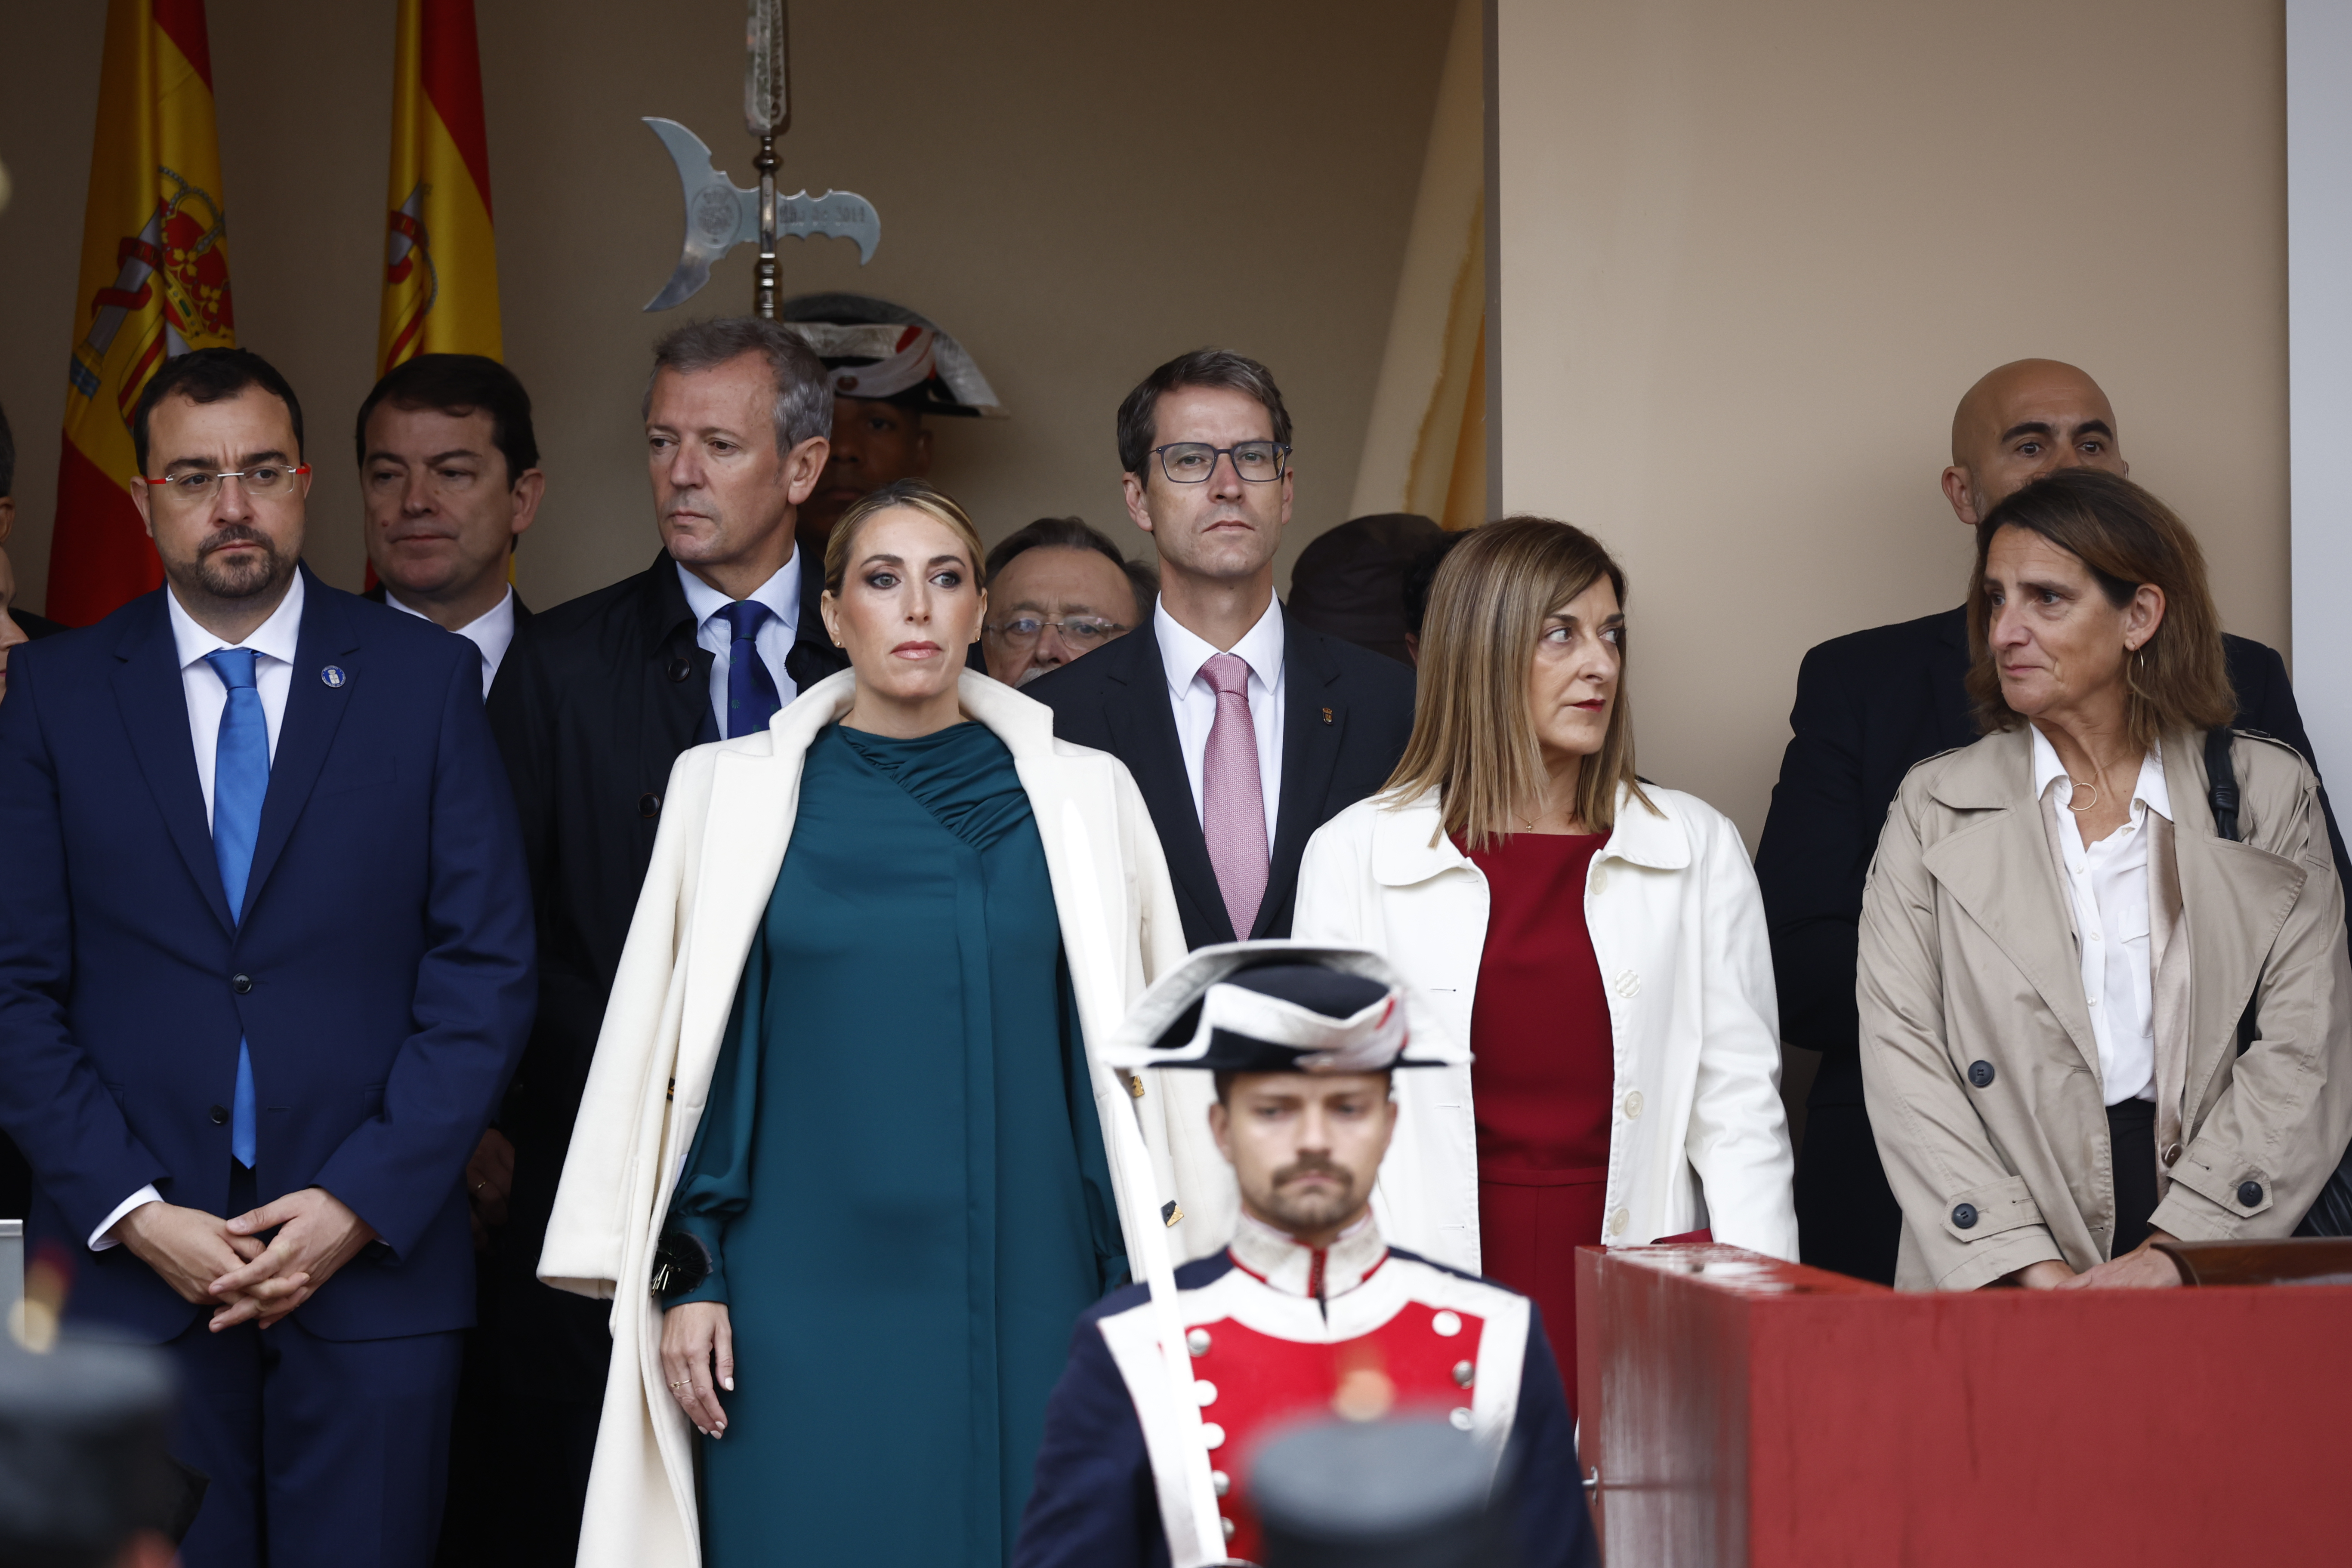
2058,948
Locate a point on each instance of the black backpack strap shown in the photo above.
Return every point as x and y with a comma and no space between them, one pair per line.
2331,1215
2222,782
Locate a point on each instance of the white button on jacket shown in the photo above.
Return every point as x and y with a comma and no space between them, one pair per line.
1678,924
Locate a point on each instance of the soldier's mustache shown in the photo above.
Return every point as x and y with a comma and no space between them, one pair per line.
1313,1163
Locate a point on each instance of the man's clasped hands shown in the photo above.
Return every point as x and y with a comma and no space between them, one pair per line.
235,1265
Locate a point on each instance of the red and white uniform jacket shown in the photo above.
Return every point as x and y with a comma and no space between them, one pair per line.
1281,1334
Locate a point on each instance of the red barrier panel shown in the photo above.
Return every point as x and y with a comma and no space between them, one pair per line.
1750,1414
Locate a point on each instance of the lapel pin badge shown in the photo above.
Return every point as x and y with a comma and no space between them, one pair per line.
333,676
1326,715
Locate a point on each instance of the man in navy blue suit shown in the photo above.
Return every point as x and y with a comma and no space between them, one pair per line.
265,964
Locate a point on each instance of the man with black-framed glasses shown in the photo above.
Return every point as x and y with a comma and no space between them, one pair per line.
1246,730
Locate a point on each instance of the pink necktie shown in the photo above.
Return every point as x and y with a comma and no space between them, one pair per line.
1232,798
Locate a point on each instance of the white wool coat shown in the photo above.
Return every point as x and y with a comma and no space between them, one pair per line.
1697,1136
727,818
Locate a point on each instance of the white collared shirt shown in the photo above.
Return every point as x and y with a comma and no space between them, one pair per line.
1195,701
2107,883
273,676
275,641
492,631
780,594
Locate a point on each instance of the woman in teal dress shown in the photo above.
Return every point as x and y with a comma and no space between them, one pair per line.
899,1187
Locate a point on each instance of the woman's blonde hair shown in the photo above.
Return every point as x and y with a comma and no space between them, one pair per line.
1474,732
916,495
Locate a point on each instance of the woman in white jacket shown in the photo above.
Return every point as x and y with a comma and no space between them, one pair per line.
1588,948
849,1162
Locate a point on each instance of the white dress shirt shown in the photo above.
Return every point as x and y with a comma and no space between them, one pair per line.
273,676
492,631
780,594
1195,701
2107,883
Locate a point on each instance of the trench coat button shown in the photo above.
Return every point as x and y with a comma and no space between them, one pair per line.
1964,1216
679,669
1197,1341
1445,1325
1204,1393
219,1113
1223,1483
1634,1105
1980,1074
240,984
2250,1192
2171,1153
1629,984
648,804
1619,1221
1462,1418
1465,1374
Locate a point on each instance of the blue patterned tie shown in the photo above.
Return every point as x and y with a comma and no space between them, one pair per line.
752,699
240,779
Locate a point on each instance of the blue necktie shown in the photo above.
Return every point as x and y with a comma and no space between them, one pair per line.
752,699
240,779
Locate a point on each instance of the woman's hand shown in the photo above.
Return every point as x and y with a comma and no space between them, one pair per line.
2141,1269
2047,1275
695,1337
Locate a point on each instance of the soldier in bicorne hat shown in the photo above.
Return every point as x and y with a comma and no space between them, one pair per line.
1307,1313
890,369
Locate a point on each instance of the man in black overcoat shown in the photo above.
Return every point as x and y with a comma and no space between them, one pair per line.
1869,705
1244,729
592,705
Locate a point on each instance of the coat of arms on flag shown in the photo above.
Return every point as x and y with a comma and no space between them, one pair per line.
154,282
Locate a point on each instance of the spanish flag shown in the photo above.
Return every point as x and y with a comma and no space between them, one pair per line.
441,257
155,283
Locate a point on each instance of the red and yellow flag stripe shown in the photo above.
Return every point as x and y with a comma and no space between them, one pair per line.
441,258
153,283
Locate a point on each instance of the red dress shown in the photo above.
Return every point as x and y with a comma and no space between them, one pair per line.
1542,1077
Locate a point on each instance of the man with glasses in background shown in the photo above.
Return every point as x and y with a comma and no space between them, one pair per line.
1244,729
1059,589
266,963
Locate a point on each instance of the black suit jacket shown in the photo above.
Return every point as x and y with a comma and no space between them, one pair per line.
593,702
1347,715
375,594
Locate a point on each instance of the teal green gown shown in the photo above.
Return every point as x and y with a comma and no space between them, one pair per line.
899,1171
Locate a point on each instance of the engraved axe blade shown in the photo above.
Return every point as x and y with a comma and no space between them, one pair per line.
836,215
719,215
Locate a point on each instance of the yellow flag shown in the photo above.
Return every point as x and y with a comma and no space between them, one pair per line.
153,283
441,256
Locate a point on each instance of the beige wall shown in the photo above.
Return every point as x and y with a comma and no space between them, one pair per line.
1750,255
1075,191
